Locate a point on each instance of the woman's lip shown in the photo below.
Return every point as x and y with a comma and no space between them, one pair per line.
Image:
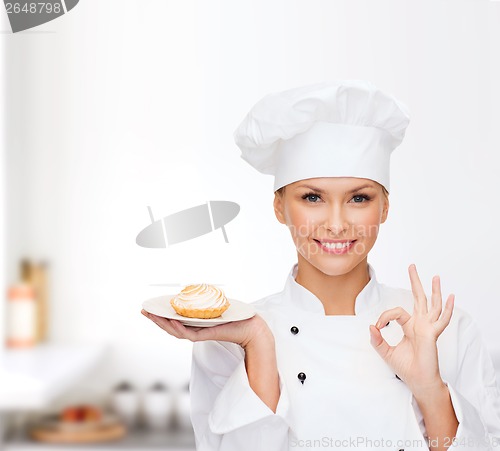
334,241
341,251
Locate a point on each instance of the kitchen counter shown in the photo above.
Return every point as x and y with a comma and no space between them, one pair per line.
140,440
32,378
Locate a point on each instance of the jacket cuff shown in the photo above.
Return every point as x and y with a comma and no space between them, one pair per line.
237,405
472,432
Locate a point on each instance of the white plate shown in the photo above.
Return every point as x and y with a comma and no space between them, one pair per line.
160,306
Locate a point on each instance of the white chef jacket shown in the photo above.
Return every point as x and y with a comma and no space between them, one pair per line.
350,398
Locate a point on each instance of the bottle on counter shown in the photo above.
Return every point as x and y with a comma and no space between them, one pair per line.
125,402
21,316
157,405
36,275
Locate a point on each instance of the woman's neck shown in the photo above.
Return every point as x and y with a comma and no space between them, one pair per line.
337,293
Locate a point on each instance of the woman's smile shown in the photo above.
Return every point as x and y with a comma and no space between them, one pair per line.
337,247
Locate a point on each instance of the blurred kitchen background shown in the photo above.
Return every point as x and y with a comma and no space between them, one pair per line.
119,105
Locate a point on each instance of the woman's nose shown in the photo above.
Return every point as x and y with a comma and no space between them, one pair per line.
336,222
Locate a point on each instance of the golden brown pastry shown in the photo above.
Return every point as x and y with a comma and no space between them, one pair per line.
200,301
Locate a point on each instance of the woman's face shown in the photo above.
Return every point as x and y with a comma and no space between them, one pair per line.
334,221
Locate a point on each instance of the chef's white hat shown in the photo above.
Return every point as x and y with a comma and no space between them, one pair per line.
342,128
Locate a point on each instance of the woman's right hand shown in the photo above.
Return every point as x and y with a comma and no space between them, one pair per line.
253,335
244,333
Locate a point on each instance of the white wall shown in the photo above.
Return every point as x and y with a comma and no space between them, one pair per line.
3,23
123,104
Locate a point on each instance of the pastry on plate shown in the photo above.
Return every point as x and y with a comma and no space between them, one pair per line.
200,301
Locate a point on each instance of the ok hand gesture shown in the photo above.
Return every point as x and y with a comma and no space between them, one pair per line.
415,358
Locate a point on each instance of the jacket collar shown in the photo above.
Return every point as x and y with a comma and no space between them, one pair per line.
366,301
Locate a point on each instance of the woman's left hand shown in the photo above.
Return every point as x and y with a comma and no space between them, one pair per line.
415,358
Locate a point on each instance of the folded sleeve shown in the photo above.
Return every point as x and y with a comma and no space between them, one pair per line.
225,411
474,394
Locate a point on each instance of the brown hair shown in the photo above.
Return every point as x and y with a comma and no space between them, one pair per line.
280,191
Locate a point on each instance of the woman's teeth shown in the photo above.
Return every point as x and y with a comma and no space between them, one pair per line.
336,245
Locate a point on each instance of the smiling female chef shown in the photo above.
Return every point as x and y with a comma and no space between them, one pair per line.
337,359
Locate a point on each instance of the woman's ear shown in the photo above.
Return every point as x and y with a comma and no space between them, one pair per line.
385,211
278,207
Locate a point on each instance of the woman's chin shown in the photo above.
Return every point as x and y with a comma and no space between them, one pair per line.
334,266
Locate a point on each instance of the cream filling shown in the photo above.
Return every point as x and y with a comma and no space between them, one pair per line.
200,296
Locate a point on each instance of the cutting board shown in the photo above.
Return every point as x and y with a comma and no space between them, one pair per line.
98,433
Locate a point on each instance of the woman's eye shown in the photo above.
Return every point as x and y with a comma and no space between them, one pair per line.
359,199
311,197
314,198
